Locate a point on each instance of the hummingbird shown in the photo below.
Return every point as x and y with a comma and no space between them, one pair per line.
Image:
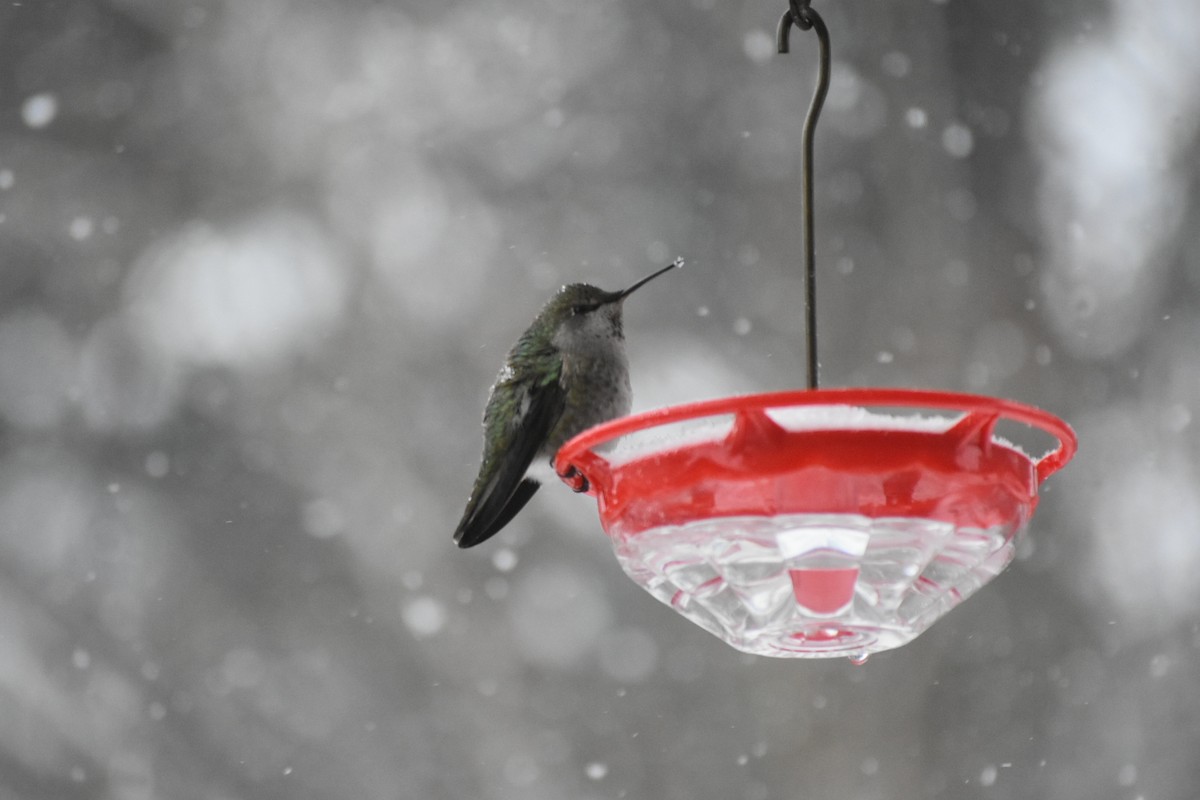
566,373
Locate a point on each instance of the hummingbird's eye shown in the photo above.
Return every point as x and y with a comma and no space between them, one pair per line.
580,309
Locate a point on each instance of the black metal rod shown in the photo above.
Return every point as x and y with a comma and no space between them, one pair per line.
804,17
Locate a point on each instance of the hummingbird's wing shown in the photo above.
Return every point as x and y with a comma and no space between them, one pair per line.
502,488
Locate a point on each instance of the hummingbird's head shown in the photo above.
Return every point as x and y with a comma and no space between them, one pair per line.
581,312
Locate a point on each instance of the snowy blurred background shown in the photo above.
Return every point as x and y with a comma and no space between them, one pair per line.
260,261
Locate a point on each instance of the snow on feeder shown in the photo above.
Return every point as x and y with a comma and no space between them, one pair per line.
803,524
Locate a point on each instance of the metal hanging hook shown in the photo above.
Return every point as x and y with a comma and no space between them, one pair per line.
801,15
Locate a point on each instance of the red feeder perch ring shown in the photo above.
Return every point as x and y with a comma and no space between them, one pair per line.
801,524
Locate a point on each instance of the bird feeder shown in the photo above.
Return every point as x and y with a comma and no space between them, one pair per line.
806,524
818,522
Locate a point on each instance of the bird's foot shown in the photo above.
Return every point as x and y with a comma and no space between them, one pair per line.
575,479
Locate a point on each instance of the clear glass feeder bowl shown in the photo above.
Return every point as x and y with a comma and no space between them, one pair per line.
800,524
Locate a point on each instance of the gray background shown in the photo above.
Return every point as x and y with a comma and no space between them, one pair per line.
259,262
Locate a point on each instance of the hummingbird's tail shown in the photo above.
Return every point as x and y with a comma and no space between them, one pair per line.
484,521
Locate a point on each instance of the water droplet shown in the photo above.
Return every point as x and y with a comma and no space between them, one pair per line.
39,110
916,117
596,770
287,770
81,658
424,616
322,518
987,776
504,559
158,464
81,228
702,311
884,357
859,659
758,45
741,326
958,140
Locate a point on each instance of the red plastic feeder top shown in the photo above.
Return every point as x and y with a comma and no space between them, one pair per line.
801,524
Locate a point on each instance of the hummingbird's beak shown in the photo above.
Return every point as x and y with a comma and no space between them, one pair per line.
625,293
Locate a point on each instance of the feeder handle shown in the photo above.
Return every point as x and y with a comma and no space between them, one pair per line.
805,18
